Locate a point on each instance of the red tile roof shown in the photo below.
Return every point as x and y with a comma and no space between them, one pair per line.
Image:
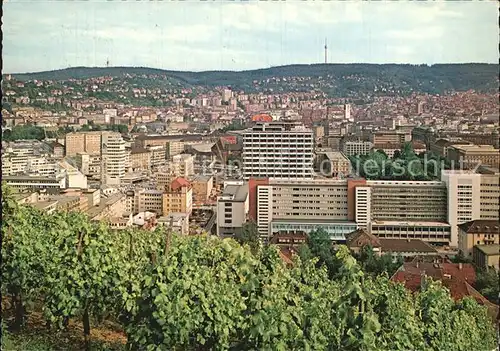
179,183
262,118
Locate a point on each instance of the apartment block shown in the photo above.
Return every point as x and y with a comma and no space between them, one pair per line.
89,142
363,206
28,157
477,232
438,233
182,165
232,209
202,188
140,159
89,165
178,197
471,156
278,150
55,181
351,148
332,163
158,156
390,137
148,200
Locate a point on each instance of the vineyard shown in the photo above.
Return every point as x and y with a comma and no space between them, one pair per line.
171,292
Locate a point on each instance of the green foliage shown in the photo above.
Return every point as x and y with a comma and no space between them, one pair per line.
357,80
487,283
319,245
200,292
375,264
23,132
405,165
249,235
447,325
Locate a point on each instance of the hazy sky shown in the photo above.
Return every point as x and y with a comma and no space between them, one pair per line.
217,35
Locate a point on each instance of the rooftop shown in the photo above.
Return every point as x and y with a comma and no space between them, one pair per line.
419,224
236,193
481,226
489,250
402,245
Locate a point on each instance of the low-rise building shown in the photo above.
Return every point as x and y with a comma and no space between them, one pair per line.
202,187
486,256
471,156
232,209
178,197
177,222
477,232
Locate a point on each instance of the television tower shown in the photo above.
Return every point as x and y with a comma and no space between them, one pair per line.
326,53
107,62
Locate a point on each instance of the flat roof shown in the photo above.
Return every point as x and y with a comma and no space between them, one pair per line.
310,221
238,193
412,223
403,245
43,204
489,250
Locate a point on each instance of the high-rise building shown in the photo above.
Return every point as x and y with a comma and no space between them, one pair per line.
347,112
278,150
464,200
490,193
114,158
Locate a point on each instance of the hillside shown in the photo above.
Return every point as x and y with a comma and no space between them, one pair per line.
334,79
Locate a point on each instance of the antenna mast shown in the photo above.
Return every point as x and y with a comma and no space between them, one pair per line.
326,52
107,62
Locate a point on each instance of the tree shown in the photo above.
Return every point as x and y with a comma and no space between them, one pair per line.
375,264
249,235
487,283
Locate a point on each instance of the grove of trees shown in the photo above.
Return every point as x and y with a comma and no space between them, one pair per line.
23,132
172,292
405,165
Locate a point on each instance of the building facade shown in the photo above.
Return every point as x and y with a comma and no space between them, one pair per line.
278,150
232,209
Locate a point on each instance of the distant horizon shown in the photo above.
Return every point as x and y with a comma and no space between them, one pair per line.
244,35
252,69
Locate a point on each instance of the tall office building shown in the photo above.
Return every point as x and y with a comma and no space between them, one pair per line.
114,158
278,150
464,201
89,142
490,193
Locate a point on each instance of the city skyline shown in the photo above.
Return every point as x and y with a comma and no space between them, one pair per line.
243,36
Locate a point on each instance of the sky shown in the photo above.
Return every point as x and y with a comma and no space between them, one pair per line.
41,35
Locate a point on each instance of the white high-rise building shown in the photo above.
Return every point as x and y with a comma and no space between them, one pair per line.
464,200
114,158
278,150
347,113
363,206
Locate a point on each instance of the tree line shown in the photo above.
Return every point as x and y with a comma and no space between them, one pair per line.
200,292
404,165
